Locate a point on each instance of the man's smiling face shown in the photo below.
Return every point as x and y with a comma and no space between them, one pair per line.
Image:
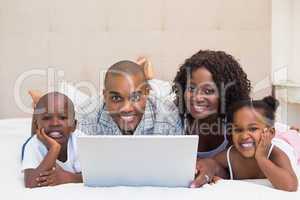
125,97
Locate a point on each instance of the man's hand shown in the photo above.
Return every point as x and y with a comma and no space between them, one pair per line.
264,145
46,140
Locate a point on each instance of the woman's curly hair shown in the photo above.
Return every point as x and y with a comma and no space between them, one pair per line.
226,72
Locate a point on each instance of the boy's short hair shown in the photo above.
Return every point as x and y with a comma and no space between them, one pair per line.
39,108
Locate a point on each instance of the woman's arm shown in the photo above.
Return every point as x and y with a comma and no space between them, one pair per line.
208,168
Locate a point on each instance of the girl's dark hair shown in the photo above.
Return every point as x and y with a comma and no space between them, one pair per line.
268,105
226,72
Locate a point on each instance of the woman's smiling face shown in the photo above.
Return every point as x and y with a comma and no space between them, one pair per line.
201,94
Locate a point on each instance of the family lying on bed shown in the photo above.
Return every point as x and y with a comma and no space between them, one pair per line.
237,138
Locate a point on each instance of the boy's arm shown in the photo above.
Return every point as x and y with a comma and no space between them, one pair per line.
49,161
58,176
208,168
278,168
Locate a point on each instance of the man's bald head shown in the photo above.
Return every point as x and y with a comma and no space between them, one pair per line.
124,68
125,94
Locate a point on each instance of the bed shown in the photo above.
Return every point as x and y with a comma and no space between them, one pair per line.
15,131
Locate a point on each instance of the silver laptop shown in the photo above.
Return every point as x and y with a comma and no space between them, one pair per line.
164,161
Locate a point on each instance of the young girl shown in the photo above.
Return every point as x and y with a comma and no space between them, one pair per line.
255,153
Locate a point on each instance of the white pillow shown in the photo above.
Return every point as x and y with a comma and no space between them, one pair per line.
73,93
14,132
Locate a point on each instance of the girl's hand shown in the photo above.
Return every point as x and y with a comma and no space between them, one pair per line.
264,145
46,140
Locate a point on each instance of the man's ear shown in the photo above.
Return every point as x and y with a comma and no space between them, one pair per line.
147,89
272,130
104,93
74,125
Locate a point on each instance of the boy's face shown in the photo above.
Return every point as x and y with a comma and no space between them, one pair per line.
248,126
56,119
125,97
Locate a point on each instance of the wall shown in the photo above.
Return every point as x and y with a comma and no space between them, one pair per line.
285,56
84,36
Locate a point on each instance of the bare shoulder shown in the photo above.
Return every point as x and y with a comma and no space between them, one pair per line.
279,157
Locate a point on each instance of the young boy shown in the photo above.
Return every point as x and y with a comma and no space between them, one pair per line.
49,157
127,108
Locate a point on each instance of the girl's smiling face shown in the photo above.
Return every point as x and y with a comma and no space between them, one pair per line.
248,125
201,94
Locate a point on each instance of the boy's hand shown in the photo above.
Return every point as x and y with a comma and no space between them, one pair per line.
264,145
55,176
46,140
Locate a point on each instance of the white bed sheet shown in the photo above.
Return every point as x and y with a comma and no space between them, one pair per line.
14,132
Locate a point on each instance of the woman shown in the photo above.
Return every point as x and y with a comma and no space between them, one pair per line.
206,85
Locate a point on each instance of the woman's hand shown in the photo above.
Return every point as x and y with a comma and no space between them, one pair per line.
205,173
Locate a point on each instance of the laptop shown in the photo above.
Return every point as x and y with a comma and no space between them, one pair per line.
163,161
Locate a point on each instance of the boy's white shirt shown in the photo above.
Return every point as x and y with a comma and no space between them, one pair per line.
35,151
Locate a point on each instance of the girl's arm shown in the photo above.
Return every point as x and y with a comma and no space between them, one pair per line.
279,171
278,168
